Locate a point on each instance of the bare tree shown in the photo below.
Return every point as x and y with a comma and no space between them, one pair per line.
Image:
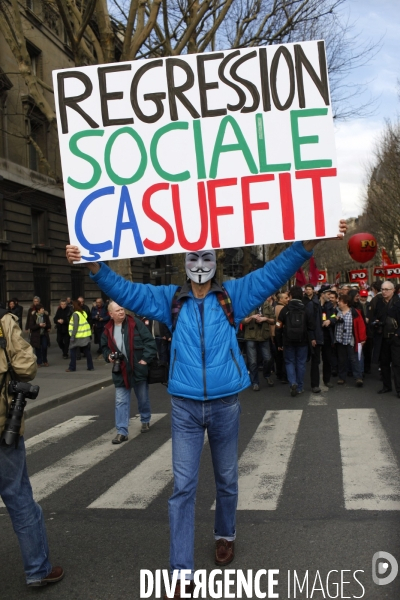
382,203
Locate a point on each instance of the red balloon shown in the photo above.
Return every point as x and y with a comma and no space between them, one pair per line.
362,247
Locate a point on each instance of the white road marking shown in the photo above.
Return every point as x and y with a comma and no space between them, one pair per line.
54,477
56,433
142,485
264,463
317,400
371,476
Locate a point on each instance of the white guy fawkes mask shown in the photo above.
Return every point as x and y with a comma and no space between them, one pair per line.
201,266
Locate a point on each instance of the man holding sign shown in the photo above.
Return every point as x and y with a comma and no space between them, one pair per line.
207,372
213,150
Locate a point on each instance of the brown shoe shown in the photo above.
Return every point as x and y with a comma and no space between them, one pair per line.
55,575
177,594
224,552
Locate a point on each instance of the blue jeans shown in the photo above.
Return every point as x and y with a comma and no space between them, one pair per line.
189,420
123,405
26,516
347,355
86,352
252,362
295,361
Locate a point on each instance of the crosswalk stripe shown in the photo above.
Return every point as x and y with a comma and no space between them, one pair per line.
57,433
371,477
264,463
54,477
142,485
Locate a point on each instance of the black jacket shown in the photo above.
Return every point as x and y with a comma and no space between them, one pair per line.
65,314
308,333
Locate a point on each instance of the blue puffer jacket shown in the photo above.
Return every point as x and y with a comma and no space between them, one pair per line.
205,359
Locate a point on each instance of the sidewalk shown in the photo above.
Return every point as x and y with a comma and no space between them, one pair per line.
58,387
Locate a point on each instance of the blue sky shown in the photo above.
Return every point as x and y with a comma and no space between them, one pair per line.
355,138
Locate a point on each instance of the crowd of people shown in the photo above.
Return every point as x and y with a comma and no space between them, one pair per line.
348,328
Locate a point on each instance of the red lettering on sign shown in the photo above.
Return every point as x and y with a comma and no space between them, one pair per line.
285,186
201,193
217,211
248,207
151,214
315,175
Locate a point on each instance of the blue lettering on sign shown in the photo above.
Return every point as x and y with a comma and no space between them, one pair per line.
125,201
94,249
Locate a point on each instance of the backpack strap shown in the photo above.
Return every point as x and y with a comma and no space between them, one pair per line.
223,298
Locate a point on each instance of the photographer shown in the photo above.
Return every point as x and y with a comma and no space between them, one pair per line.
130,337
18,362
385,318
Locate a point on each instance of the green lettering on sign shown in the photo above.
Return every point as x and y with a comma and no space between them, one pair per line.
73,146
298,140
143,157
262,152
241,146
153,152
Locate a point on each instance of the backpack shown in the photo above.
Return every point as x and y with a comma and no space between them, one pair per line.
295,324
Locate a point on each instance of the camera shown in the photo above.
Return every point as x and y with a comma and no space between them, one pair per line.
20,391
116,357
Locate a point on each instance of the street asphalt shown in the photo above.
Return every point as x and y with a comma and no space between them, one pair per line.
103,549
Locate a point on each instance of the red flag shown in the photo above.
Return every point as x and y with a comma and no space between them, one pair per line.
322,276
337,278
358,276
300,278
386,262
313,273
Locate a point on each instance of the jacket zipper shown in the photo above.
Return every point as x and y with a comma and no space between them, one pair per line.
236,363
173,364
203,355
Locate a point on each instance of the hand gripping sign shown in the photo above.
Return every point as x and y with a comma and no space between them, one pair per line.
213,150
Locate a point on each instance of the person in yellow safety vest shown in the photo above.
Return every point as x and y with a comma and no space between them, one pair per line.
80,333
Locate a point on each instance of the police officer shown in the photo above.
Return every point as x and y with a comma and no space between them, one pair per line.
17,361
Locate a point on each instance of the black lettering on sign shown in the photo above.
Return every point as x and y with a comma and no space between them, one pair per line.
73,101
247,84
238,90
204,86
265,80
321,81
175,92
155,97
105,96
273,78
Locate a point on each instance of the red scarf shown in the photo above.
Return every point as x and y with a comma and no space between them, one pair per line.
109,331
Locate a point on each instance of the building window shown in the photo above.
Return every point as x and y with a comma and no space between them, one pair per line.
39,227
41,285
36,57
77,283
5,85
3,292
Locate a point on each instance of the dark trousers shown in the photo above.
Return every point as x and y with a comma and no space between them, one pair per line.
86,352
280,365
314,366
367,350
63,341
326,352
41,353
390,353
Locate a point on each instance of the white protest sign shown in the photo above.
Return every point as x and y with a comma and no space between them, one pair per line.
212,150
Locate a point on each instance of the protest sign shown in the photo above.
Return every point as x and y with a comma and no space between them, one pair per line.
213,150
379,271
322,277
392,271
358,275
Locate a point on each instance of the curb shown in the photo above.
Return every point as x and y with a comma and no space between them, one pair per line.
35,408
